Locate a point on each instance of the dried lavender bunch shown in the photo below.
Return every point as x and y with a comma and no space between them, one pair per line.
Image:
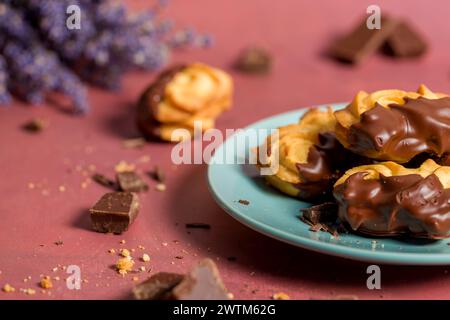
39,54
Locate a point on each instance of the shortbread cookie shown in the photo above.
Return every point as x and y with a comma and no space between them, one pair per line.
387,199
182,97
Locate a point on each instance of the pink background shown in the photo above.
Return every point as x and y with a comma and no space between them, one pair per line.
297,33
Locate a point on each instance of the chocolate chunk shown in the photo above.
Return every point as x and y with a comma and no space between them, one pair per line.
158,175
198,225
131,182
404,41
104,181
115,212
244,202
321,213
254,60
362,41
203,283
35,125
158,286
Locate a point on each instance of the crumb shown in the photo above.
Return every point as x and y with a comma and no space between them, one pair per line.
35,125
8,288
46,283
160,187
281,296
158,175
30,291
230,296
142,268
123,166
165,244
141,247
122,241
56,278
25,280
124,252
31,185
134,143
145,257
124,265
62,188
55,269
135,278
58,242
111,251
85,280
244,202
252,273
132,249
179,257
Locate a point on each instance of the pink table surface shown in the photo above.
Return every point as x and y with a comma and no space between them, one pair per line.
297,32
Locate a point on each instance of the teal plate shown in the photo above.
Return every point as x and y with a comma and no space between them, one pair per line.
276,215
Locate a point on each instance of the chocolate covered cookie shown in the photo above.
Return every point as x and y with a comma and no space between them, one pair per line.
182,96
387,199
310,157
396,125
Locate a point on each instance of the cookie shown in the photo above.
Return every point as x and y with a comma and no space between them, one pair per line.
388,199
396,125
182,96
309,155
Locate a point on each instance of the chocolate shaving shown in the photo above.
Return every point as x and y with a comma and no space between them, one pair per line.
244,202
198,225
104,181
158,175
321,213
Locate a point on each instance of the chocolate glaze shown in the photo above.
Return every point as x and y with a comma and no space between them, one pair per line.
396,205
327,161
149,101
401,132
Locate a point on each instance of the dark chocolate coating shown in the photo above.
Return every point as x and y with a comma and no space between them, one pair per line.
397,205
327,161
401,132
131,182
149,100
114,212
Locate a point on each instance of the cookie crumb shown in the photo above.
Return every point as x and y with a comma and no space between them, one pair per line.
135,278
30,291
122,241
281,296
142,268
124,252
111,251
8,288
145,257
124,265
123,166
46,283
160,187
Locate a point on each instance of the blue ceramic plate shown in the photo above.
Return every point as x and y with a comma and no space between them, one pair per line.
276,215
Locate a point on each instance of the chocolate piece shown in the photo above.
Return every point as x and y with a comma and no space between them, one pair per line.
405,42
158,286
321,213
396,205
203,283
244,202
198,225
254,60
362,41
115,212
401,132
35,125
158,174
104,181
131,182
